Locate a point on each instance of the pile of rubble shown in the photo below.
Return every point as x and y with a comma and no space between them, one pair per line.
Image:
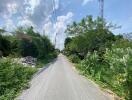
26,61
29,61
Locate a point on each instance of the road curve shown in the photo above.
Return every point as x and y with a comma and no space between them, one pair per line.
60,81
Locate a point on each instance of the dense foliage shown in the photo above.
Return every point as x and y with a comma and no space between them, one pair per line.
114,70
38,46
13,78
5,46
26,42
23,42
90,36
101,54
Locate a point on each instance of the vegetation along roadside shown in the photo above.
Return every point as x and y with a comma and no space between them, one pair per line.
21,54
101,55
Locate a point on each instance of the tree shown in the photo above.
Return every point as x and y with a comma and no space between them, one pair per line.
5,46
31,43
67,40
27,48
89,35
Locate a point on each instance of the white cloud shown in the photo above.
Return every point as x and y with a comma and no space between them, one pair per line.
58,28
12,8
36,10
28,11
56,4
9,25
48,27
32,4
48,30
25,22
86,1
34,13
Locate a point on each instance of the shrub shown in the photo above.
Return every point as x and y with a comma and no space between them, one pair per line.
115,69
27,42
5,46
91,64
13,78
27,48
74,58
88,35
119,60
105,57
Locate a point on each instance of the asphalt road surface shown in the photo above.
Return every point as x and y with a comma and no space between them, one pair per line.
60,81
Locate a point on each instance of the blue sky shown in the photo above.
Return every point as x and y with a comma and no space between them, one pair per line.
116,11
39,13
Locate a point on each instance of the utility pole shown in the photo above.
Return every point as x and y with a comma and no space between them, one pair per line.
101,6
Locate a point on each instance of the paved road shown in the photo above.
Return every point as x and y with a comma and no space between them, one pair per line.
60,81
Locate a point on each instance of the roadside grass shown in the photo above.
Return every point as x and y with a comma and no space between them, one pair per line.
103,86
116,92
15,77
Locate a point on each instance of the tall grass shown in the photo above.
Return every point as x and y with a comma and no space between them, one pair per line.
114,69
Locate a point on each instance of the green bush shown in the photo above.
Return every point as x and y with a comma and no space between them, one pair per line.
26,42
27,48
88,35
31,43
5,46
105,57
115,69
74,58
13,78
